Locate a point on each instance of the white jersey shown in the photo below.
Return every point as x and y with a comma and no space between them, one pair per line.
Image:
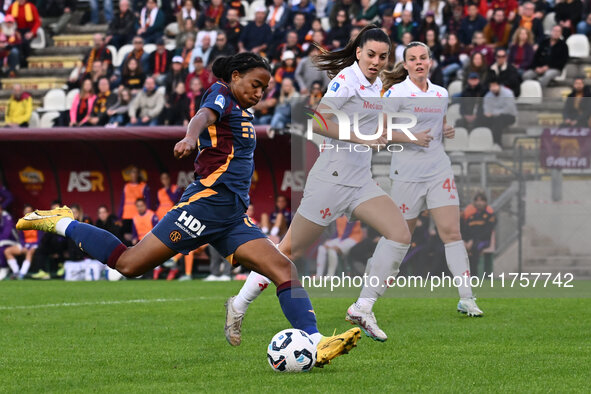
416,163
346,163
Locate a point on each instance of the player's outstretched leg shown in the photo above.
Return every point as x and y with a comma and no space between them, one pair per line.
262,255
447,220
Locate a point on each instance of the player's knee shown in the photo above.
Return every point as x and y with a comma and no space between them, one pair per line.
450,234
126,268
401,236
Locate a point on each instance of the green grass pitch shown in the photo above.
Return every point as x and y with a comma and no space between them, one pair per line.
146,336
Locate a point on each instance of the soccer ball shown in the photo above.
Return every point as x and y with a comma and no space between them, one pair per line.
291,350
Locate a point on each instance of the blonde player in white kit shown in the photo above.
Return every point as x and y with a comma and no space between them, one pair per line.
340,183
421,174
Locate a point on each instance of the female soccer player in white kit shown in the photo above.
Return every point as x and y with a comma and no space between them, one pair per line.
340,181
421,174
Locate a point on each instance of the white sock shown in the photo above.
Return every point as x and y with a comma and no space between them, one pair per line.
333,261
265,229
275,231
316,338
252,288
25,267
62,225
384,263
459,265
13,265
320,260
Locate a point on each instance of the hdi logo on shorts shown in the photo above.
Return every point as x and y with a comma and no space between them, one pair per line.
345,124
192,224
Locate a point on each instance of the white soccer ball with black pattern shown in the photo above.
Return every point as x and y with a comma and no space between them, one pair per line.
291,350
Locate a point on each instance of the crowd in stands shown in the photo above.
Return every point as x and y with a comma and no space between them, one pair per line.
476,41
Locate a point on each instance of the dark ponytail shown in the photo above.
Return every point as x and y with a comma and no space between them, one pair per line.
334,62
223,67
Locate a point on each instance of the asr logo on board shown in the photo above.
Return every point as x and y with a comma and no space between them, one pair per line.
86,181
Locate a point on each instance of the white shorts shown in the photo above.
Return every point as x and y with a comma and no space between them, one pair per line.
344,245
324,202
414,197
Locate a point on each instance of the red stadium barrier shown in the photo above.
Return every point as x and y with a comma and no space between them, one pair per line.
87,165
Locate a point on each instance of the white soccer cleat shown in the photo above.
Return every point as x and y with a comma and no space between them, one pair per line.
233,327
367,322
469,307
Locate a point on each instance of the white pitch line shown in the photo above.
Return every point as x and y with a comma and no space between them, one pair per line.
138,301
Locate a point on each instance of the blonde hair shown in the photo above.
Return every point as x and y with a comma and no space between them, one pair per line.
530,36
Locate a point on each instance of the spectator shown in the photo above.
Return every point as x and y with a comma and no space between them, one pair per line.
541,8
453,12
583,27
471,102
277,223
568,14
528,20
549,59
146,107
95,74
118,113
178,106
159,62
409,6
109,222
577,108
350,7
305,30
138,54
306,8
287,68
290,44
209,30
133,76
499,109
10,41
6,235
122,26
450,63
214,12
315,94
509,8
195,95
19,108
339,35
505,73
134,189
307,73
498,31
187,11
427,24
175,75
151,23
50,251
367,14
471,23
219,267
233,28
405,25
168,195
288,96
27,245
104,99
278,15
435,7
347,235
6,197
56,14
478,232
143,221
433,44
107,11
27,21
82,104
388,24
476,65
256,34
479,45
202,51
205,76
263,110
186,30
99,52
521,51
406,39
221,48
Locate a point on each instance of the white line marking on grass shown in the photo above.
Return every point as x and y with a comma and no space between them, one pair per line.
138,301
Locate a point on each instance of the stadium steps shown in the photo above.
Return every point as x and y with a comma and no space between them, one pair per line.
73,40
44,72
61,51
86,29
34,83
53,63
36,93
550,266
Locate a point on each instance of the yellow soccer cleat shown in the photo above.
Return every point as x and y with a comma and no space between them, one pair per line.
334,346
44,220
